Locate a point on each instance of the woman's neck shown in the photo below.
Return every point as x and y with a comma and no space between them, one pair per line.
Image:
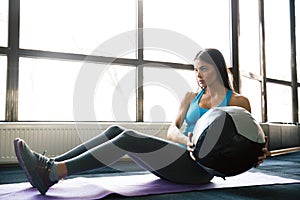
216,90
212,97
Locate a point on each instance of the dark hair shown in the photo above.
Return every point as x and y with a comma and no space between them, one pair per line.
215,57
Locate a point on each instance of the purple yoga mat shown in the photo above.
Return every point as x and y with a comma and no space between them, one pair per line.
130,185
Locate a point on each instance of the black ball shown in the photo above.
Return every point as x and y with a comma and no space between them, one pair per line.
228,141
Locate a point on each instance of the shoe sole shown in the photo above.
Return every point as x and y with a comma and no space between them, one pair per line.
42,189
21,162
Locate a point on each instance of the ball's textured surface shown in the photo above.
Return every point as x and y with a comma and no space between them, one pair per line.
227,140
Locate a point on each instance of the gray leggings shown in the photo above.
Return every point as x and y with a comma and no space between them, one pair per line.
163,158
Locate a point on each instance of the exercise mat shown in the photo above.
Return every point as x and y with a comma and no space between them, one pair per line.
131,185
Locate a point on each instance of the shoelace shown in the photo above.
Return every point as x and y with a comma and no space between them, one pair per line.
44,164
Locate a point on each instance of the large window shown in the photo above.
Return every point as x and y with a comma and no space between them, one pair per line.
249,55
201,21
297,13
115,95
278,40
251,88
76,26
297,34
249,50
3,69
139,73
164,90
46,89
3,22
279,103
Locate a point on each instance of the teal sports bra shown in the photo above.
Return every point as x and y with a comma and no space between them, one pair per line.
195,111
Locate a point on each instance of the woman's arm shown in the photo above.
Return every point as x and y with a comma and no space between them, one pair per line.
241,101
174,134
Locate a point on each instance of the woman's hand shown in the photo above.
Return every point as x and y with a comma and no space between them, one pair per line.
265,152
190,145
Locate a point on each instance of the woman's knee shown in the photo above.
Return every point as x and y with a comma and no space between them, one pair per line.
115,128
113,131
131,135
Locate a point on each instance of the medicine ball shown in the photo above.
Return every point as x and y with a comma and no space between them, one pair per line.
227,141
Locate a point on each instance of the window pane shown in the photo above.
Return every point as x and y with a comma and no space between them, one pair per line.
279,98
77,26
251,89
277,32
297,13
3,71
115,97
3,22
298,103
46,89
249,56
202,21
164,90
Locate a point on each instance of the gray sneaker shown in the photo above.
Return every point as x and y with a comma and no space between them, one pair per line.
16,140
36,166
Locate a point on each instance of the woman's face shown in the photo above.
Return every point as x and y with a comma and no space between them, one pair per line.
206,73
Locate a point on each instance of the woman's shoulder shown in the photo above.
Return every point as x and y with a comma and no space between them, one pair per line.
189,96
240,100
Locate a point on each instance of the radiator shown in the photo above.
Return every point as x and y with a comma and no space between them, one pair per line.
58,138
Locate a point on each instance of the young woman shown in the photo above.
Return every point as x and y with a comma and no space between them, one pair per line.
168,159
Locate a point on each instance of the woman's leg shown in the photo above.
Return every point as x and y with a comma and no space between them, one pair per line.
106,135
183,170
161,157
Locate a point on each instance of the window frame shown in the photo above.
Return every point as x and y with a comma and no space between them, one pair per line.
13,53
